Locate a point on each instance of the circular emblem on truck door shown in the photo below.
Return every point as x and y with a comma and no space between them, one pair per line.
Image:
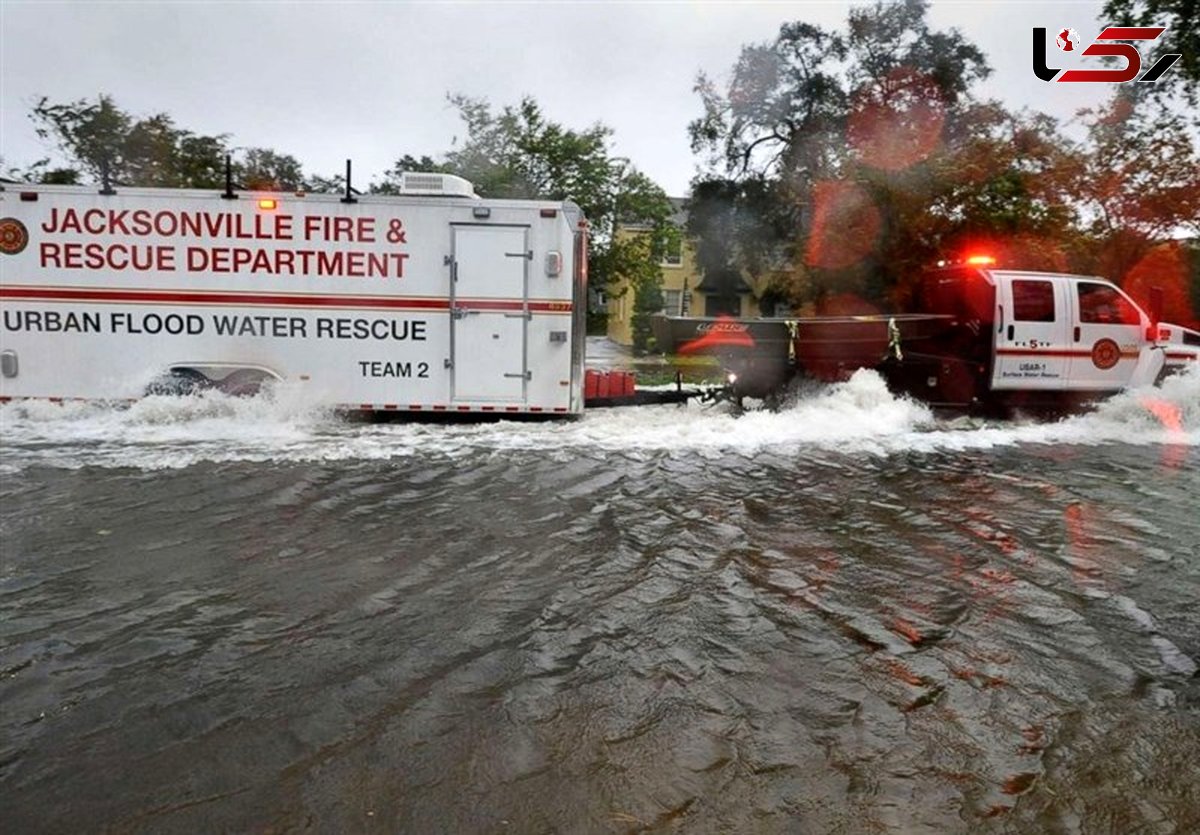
13,236
1105,354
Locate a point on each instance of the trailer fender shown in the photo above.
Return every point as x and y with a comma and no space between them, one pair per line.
234,380
178,382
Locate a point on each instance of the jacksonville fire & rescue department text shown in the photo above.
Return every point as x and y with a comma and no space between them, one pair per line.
315,260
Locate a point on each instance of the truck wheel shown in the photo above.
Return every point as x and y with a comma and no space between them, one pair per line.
244,383
179,382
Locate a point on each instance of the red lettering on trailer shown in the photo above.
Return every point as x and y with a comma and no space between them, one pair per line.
116,257
339,228
169,224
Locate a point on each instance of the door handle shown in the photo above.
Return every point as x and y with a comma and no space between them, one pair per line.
1010,333
1077,333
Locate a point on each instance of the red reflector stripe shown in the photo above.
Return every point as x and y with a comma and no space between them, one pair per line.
1038,352
133,296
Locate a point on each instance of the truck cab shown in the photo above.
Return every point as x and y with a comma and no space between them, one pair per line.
1068,332
1043,340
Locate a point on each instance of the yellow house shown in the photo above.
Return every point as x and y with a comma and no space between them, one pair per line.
683,287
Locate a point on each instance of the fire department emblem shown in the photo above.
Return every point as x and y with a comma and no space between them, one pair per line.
1105,354
14,237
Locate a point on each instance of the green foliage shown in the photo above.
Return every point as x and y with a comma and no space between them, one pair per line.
859,157
639,255
1182,19
868,109
1138,183
41,172
264,170
518,152
110,146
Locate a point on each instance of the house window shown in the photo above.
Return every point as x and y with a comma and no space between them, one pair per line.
673,302
673,253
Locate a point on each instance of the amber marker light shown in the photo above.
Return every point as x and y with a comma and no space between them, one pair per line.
981,261
267,204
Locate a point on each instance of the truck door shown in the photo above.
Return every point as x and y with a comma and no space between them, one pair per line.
1107,333
1032,331
489,312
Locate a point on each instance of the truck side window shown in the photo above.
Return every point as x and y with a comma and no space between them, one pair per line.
1033,301
1102,304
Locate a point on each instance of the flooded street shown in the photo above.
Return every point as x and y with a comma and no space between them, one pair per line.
849,616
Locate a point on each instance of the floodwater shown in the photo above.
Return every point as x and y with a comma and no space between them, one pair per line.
849,616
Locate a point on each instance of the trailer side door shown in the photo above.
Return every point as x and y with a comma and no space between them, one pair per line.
1032,329
489,313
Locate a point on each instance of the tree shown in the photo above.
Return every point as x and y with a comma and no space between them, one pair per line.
114,148
91,134
262,169
1182,19
1139,183
41,172
518,152
831,140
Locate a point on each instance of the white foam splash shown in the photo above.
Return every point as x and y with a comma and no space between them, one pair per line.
859,416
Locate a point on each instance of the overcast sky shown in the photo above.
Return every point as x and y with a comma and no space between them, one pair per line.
368,80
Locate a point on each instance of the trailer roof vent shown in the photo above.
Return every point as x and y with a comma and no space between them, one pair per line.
438,185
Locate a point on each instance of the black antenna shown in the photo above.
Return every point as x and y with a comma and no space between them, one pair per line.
106,177
349,198
229,195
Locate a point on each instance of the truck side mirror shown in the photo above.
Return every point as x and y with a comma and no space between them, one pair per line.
1156,309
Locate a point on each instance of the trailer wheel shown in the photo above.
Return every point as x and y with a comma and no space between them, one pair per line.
244,383
179,382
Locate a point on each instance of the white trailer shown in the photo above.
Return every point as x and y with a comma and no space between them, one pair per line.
431,301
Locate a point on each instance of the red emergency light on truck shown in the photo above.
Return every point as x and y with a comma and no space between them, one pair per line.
434,300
